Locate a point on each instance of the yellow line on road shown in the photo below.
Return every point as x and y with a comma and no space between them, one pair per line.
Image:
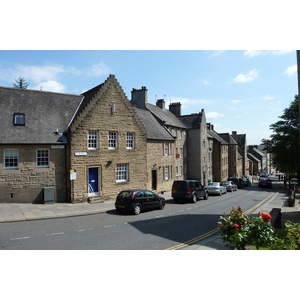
209,233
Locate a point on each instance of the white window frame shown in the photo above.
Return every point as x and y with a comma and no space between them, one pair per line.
167,149
11,157
19,119
112,140
45,158
167,173
93,141
122,171
130,140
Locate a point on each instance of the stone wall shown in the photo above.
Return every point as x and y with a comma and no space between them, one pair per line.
98,116
26,184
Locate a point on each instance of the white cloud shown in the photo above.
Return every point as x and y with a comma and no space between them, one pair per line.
218,53
214,114
37,74
206,82
235,101
250,76
51,86
254,53
98,69
290,71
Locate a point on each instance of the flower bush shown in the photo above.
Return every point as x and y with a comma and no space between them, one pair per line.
290,240
238,231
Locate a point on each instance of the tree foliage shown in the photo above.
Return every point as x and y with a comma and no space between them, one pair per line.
20,83
283,144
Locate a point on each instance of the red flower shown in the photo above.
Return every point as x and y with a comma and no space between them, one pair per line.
266,217
236,226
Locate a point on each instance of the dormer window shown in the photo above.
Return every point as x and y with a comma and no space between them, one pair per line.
19,119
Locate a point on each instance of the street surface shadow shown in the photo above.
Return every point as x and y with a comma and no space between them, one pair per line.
179,228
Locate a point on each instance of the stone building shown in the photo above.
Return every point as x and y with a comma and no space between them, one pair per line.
108,144
219,155
33,148
166,141
235,160
199,150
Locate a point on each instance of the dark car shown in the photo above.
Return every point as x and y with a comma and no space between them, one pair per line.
190,190
238,181
265,182
138,200
230,186
247,182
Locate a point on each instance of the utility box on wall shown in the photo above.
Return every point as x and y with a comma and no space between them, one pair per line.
49,195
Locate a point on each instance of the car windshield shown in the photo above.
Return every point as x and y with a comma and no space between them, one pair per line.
214,183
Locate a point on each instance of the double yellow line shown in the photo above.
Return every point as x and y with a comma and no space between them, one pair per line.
209,233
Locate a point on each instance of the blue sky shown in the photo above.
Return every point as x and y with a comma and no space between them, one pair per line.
240,90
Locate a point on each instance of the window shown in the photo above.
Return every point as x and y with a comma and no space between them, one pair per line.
19,119
167,173
130,140
122,172
93,140
42,158
11,159
167,149
112,140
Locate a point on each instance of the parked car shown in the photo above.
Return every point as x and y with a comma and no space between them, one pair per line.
238,181
230,186
138,200
215,188
265,182
190,190
247,182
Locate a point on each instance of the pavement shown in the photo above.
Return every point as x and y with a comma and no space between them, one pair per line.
14,212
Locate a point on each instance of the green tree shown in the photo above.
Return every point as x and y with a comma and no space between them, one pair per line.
283,144
21,83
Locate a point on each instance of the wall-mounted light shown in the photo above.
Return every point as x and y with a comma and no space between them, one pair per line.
108,163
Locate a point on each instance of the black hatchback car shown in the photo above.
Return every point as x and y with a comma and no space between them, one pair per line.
138,200
190,190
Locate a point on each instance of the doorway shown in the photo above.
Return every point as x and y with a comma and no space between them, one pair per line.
93,181
154,179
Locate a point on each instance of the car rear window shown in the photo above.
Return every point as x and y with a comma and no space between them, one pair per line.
179,184
124,194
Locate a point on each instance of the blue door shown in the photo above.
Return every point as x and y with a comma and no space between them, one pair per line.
93,180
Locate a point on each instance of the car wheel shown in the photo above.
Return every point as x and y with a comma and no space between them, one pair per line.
137,209
162,204
194,198
205,196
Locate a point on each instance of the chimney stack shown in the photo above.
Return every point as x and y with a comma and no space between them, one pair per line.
160,103
175,108
139,98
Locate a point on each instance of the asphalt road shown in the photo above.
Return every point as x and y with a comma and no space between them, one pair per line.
157,229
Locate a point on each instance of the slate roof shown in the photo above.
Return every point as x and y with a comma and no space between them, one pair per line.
168,118
155,131
44,113
228,138
191,121
216,136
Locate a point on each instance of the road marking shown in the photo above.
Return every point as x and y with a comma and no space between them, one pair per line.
81,230
110,226
55,233
194,240
207,234
21,238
